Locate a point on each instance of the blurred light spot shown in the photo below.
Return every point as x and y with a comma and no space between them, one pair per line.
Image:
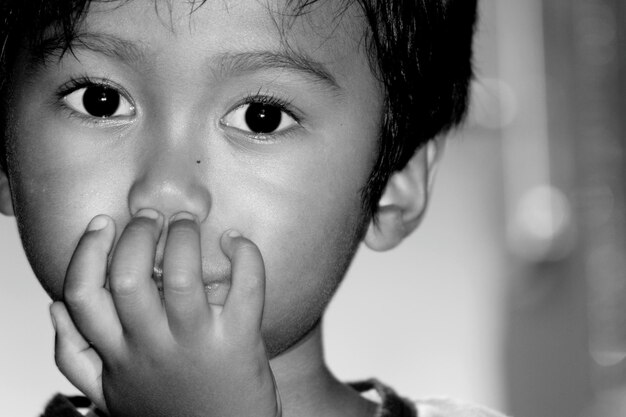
606,358
605,294
542,228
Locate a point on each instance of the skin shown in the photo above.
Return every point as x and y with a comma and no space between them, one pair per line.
181,356
229,304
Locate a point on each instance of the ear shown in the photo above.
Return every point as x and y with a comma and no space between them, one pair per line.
6,203
404,199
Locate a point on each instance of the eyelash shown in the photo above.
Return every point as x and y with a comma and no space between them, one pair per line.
83,81
258,97
269,99
79,82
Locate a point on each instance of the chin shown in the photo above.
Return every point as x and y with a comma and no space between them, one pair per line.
279,344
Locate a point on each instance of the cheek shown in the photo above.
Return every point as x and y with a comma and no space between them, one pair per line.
55,197
48,231
305,263
306,223
300,212
309,260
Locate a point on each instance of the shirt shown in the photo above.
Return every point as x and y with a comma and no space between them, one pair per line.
390,405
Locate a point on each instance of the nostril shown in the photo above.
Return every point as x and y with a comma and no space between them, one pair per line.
149,213
170,191
183,215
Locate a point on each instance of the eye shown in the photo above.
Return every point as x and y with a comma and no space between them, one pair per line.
99,100
260,119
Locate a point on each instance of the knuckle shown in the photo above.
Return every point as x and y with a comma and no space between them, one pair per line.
76,294
124,285
60,359
180,282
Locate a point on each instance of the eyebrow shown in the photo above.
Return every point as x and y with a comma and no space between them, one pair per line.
226,63
111,46
288,59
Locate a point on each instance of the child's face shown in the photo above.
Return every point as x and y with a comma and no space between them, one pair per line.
175,137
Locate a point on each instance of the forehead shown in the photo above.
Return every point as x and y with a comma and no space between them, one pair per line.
330,31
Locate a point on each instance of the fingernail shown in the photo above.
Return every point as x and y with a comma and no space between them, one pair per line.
54,321
183,215
233,234
148,213
97,223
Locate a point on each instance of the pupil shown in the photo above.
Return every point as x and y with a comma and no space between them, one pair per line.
262,118
101,101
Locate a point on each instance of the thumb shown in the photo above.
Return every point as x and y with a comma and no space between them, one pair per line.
75,357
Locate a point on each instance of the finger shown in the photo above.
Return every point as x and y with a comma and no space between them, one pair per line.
279,403
134,292
186,304
246,297
87,300
75,357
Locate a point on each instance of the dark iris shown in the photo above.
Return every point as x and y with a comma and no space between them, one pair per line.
263,118
101,101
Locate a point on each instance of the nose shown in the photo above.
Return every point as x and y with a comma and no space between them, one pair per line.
170,181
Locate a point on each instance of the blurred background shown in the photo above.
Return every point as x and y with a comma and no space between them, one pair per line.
512,293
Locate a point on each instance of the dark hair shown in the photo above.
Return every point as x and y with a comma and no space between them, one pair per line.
421,51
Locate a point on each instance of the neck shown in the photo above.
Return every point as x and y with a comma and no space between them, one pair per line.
308,388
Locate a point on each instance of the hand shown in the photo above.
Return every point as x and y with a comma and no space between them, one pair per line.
172,357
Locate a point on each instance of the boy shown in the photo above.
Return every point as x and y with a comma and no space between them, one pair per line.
192,179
